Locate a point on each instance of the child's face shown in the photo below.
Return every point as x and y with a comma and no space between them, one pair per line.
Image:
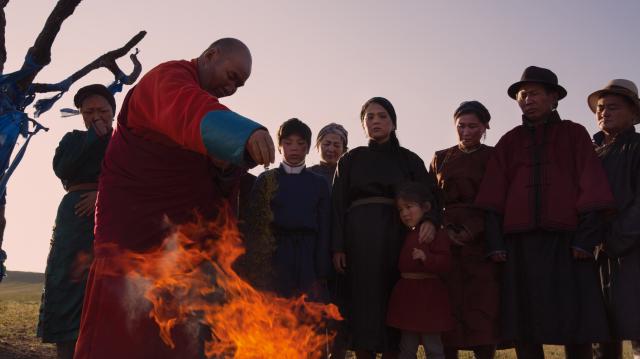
294,148
410,212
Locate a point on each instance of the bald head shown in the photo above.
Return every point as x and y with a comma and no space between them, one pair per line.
224,66
229,44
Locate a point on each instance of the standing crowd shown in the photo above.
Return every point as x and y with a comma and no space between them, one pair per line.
534,241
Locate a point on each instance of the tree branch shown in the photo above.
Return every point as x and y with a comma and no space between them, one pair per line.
107,60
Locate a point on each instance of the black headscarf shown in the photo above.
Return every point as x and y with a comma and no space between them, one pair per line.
474,107
95,89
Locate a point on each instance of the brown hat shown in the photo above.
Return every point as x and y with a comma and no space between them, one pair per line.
620,87
539,75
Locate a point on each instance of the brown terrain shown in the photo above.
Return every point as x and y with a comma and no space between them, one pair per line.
20,300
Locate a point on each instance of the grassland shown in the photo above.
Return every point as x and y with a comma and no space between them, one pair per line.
20,300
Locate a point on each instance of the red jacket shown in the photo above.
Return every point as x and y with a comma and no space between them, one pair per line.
422,305
570,178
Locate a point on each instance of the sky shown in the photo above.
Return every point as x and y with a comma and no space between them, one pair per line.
320,61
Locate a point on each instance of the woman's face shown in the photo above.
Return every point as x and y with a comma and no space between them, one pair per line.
294,149
96,108
377,123
331,148
470,130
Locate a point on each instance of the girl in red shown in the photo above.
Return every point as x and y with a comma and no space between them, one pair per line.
419,304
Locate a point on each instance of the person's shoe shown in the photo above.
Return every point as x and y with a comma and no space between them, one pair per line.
3,269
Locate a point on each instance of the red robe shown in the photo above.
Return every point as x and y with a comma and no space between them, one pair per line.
547,183
157,167
571,177
422,305
474,287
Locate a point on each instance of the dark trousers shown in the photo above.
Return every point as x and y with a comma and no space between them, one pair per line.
535,351
608,350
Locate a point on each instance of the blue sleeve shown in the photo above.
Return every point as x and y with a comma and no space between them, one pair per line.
225,134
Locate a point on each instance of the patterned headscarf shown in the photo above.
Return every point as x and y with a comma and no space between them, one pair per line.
333,128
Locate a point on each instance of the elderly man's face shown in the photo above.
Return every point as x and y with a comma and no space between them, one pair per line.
222,72
614,114
535,102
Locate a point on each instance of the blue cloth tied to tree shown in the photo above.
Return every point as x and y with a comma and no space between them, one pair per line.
13,120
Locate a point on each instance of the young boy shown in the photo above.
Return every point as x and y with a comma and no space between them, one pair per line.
299,204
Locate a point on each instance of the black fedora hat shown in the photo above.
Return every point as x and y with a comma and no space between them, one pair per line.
539,75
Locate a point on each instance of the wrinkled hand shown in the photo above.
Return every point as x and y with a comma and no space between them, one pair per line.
459,238
87,204
102,128
260,148
578,254
340,261
418,254
427,232
499,257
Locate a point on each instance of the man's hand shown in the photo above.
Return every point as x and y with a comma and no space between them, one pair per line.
460,238
427,232
87,204
340,261
260,148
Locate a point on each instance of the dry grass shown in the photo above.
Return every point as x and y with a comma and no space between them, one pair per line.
18,321
20,301
550,352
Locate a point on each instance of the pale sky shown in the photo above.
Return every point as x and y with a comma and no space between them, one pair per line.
319,61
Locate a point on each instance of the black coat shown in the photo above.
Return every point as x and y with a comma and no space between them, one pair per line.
620,263
371,235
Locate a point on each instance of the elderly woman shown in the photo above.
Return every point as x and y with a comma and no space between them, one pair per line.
617,110
77,163
367,232
473,281
332,143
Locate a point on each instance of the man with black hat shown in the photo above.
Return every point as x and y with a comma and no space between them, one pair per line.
617,110
544,190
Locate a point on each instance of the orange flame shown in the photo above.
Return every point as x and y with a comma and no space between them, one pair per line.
192,273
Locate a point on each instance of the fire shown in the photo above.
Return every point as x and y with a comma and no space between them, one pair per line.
191,276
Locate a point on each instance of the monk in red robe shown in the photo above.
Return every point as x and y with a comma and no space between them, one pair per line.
176,151
545,191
